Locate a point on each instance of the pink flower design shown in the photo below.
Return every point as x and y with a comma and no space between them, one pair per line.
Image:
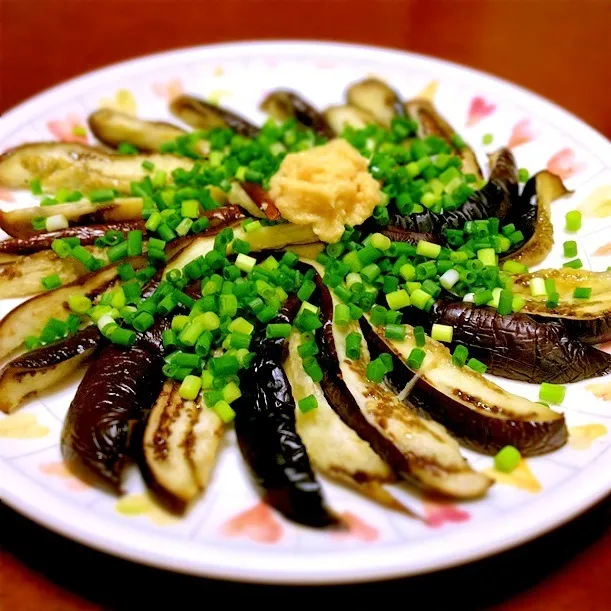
564,164
357,528
601,251
438,513
479,109
257,523
62,470
71,129
521,133
170,89
6,195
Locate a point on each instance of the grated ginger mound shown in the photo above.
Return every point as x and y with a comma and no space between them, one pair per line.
326,187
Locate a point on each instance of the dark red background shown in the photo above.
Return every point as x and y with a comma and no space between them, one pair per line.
558,48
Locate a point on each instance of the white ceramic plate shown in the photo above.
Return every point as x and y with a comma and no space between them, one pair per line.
228,534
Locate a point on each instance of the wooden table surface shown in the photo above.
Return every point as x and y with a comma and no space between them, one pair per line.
558,48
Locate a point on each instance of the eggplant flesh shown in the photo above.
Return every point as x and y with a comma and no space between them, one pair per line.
376,97
111,402
339,117
482,415
532,216
334,448
587,320
518,347
420,450
495,199
202,115
113,128
268,440
180,445
39,369
76,166
283,104
431,123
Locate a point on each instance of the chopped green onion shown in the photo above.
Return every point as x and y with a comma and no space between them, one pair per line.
224,411
123,337
398,300
415,358
537,287
570,249
582,292
101,195
307,404
51,282
552,393
79,304
395,332
573,220
428,249
505,303
278,330
376,370
353,345
507,459
442,333
460,355
477,365
574,264
513,267
523,174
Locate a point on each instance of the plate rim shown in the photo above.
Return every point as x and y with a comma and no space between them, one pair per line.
593,488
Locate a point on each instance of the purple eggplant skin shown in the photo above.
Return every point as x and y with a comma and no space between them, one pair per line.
112,399
495,199
474,430
519,347
61,350
212,116
268,440
397,234
290,104
87,234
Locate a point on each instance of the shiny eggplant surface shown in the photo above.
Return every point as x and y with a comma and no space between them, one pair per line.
39,369
200,114
112,401
518,347
374,96
283,104
482,415
420,450
87,235
268,441
495,199
532,216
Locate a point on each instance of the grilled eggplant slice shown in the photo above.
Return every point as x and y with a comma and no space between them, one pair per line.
262,200
333,447
18,223
376,97
112,127
23,276
495,199
482,415
283,105
30,317
396,234
266,238
518,347
112,400
431,123
585,320
202,115
76,166
338,117
42,241
532,216
42,368
420,450
180,443
268,441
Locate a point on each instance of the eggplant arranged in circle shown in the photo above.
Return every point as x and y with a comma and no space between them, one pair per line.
420,450
283,104
532,216
482,415
494,199
111,402
200,114
518,347
40,369
268,440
